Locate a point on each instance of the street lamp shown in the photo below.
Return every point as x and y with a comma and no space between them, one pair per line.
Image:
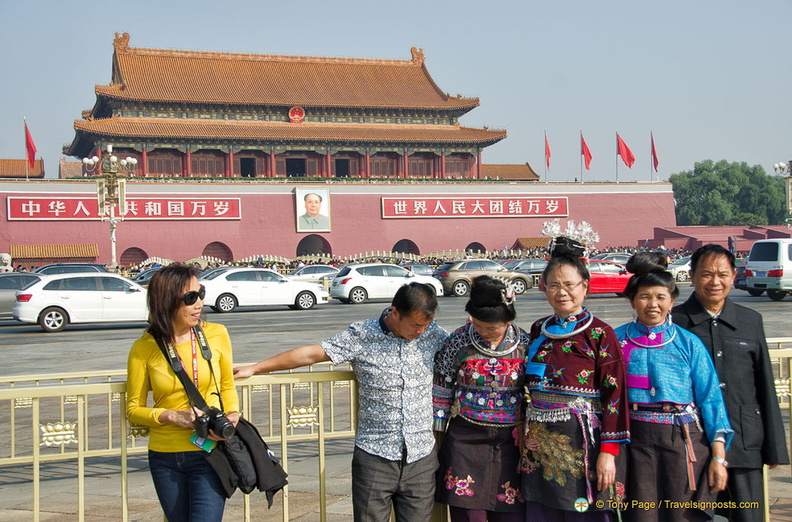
111,190
785,169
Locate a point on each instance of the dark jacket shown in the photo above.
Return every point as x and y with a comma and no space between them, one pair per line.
737,344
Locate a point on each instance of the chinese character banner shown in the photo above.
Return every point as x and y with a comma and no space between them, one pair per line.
513,206
70,208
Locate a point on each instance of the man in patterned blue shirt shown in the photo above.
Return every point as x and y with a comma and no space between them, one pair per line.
394,462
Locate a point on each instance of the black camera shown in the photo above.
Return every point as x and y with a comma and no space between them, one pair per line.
216,421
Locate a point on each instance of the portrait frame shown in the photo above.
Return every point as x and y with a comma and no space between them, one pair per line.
304,222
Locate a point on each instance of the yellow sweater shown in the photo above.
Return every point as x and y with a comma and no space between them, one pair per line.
149,370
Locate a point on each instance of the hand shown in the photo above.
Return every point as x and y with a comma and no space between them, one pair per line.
181,418
717,476
243,372
606,470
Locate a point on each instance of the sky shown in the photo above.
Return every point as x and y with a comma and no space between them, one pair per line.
711,79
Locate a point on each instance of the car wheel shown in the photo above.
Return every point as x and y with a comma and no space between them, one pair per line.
305,301
683,276
226,303
776,295
460,288
358,295
755,292
519,286
53,319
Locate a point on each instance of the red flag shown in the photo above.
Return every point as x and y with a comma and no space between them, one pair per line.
655,161
624,151
31,147
547,152
584,150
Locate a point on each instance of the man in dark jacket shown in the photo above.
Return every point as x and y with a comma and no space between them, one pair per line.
734,336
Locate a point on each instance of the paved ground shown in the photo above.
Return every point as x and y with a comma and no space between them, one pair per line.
103,486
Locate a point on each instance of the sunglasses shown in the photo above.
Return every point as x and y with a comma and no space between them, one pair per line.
192,296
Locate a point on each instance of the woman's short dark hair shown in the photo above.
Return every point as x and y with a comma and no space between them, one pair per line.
565,258
165,291
491,301
649,269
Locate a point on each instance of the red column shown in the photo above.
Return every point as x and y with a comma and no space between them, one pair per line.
144,163
478,166
406,165
328,166
367,174
188,158
442,166
229,173
272,164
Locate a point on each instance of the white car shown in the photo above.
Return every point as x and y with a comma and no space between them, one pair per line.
312,273
57,300
228,289
680,269
356,283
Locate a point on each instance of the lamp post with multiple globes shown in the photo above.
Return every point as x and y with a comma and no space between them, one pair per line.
784,168
111,190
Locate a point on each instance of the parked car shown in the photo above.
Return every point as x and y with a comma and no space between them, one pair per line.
769,267
58,300
741,280
680,269
10,282
526,266
457,276
616,257
607,277
145,276
70,268
357,283
233,287
312,273
419,269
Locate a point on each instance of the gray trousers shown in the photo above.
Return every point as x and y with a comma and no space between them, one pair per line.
379,484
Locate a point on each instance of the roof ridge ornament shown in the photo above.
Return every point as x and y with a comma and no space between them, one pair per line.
417,55
121,42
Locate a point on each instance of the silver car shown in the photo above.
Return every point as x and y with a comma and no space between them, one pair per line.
10,282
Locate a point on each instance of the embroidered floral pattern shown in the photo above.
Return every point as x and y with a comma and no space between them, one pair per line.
617,492
461,487
567,346
610,381
583,376
541,355
613,407
597,332
509,494
553,452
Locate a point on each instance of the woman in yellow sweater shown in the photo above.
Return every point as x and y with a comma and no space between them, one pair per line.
187,486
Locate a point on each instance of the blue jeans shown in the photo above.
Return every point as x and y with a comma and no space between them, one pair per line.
187,486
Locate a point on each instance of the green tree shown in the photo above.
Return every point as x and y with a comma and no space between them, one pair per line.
726,193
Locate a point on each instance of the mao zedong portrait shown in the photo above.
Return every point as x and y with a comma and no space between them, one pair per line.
313,219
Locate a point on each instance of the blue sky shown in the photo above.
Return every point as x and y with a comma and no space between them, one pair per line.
711,79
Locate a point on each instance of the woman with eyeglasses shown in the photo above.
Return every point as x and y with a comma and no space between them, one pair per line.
680,428
478,406
576,418
187,486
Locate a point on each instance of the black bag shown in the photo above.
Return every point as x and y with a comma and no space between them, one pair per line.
241,462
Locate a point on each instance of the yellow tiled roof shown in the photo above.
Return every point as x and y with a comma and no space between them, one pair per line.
53,251
249,130
18,168
509,171
229,78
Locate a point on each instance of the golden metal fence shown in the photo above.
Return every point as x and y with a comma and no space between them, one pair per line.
76,417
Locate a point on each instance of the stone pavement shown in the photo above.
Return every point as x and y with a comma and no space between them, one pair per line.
103,486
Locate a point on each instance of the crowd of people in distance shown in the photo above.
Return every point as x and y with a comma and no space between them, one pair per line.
668,417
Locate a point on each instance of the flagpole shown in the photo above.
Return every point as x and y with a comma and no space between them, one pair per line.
27,166
580,145
617,156
651,158
545,151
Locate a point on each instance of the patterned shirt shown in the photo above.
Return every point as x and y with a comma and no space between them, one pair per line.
395,380
587,364
487,388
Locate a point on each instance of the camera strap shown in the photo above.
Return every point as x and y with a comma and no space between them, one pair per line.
194,396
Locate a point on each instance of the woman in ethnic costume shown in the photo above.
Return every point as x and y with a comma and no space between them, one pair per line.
673,391
479,387
576,419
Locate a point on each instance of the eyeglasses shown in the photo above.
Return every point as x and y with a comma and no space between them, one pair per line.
192,296
555,287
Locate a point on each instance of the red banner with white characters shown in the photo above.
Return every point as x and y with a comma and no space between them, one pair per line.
22,208
485,207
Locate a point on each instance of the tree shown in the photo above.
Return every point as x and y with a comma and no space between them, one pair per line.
723,193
